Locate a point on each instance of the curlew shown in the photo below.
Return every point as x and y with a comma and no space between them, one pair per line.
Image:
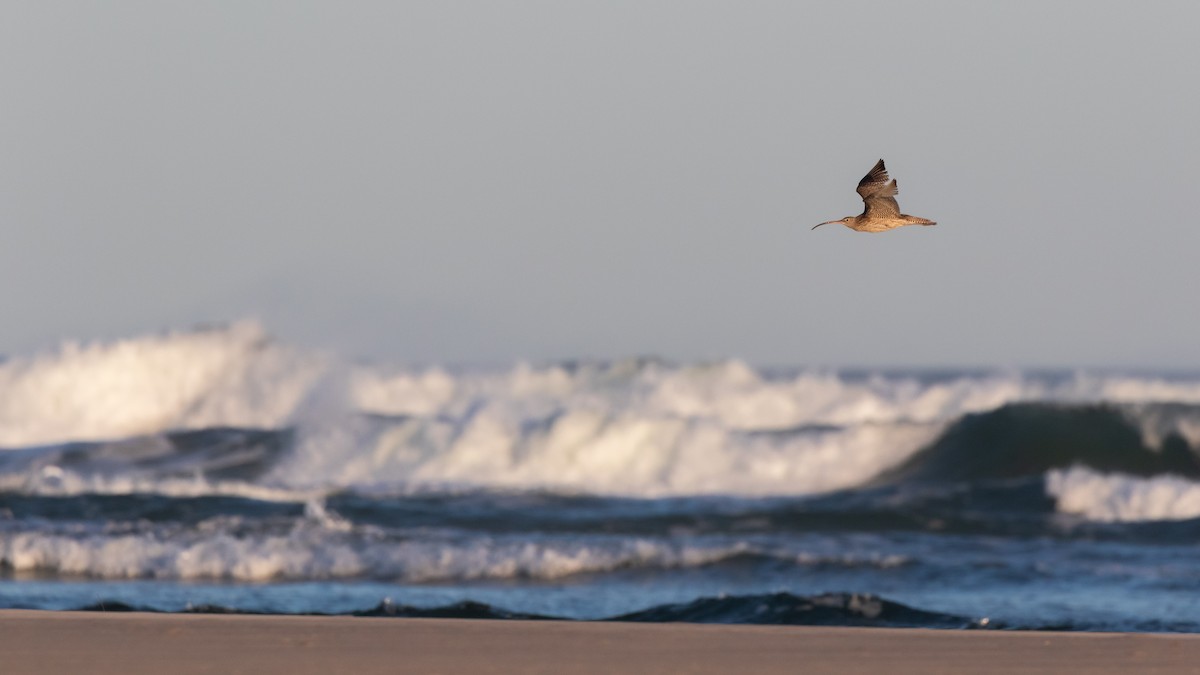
882,213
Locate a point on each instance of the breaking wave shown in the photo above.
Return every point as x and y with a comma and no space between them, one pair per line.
230,411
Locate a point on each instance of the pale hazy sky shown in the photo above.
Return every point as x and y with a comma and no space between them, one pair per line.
489,181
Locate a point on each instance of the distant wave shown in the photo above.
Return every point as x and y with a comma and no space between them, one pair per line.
230,411
238,376
643,458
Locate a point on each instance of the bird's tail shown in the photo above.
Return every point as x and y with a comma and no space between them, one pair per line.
913,220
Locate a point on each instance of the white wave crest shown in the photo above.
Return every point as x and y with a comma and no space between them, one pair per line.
1122,498
315,553
1160,422
590,451
323,546
231,376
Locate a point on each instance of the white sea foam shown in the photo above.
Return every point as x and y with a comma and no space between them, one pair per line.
313,550
1122,498
230,376
590,451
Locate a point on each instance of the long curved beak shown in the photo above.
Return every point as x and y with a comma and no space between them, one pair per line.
828,222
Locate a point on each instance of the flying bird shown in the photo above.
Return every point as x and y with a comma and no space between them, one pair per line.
882,213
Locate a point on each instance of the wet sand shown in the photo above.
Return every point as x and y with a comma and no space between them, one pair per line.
89,642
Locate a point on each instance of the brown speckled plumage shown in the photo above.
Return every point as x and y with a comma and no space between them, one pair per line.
881,211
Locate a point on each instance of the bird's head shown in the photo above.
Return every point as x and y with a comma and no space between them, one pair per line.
841,221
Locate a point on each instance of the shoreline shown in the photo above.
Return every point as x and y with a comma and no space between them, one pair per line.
95,642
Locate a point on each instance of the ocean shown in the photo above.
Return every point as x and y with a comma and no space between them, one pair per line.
222,470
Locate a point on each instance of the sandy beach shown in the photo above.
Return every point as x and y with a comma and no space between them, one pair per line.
79,642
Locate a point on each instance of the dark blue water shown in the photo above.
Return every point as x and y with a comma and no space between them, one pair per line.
990,553
274,481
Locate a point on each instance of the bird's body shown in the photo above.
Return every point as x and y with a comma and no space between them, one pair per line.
880,212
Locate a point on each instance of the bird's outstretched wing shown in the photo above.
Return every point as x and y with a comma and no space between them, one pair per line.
879,193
